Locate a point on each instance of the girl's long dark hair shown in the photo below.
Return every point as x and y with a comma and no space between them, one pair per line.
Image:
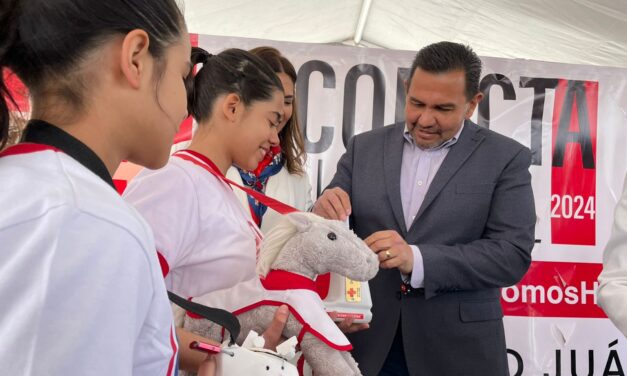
44,41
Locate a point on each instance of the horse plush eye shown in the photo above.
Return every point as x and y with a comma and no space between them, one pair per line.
331,236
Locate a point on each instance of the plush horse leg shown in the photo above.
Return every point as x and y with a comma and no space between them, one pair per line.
351,362
257,319
324,360
260,318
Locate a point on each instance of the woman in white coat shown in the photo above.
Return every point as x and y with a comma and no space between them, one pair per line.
281,174
612,293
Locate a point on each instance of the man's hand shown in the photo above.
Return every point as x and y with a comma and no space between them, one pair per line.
334,203
347,325
392,249
272,335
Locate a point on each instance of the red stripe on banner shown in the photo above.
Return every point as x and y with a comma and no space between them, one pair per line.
573,172
555,289
17,90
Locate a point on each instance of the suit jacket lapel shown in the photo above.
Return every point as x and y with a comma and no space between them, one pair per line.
468,141
392,159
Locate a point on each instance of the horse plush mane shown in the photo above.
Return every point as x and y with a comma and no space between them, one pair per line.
272,244
283,231
300,247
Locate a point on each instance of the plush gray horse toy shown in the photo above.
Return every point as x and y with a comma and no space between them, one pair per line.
299,248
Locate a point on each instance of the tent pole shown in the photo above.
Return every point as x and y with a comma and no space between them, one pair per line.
361,24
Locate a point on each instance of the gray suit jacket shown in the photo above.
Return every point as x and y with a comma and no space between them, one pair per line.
475,231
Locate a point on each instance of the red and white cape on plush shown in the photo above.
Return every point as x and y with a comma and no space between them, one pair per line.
277,288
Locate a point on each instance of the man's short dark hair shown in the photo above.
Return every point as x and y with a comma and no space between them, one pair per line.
445,57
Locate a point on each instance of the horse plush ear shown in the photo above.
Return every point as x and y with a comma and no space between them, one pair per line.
302,221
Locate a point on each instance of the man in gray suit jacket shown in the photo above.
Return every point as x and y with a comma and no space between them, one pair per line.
448,208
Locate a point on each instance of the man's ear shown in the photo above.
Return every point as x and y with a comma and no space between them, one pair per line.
232,106
473,104
134,57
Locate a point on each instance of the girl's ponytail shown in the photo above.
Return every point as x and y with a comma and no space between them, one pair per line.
199,56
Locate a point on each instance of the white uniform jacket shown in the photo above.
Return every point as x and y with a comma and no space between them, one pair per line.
80,284
205,239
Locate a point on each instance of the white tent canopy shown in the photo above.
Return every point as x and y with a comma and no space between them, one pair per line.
590,32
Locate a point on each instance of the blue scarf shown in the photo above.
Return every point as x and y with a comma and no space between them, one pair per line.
257,180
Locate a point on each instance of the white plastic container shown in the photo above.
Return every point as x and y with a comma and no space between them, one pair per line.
349,299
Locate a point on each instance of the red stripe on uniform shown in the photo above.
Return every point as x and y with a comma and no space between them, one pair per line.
26,148
165,268
174,352
120,185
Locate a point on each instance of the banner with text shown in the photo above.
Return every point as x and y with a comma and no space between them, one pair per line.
574,120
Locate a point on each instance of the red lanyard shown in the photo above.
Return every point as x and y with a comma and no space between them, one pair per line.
323,281
268,201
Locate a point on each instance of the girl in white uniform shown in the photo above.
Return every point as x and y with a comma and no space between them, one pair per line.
281,175
80,283
205,239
